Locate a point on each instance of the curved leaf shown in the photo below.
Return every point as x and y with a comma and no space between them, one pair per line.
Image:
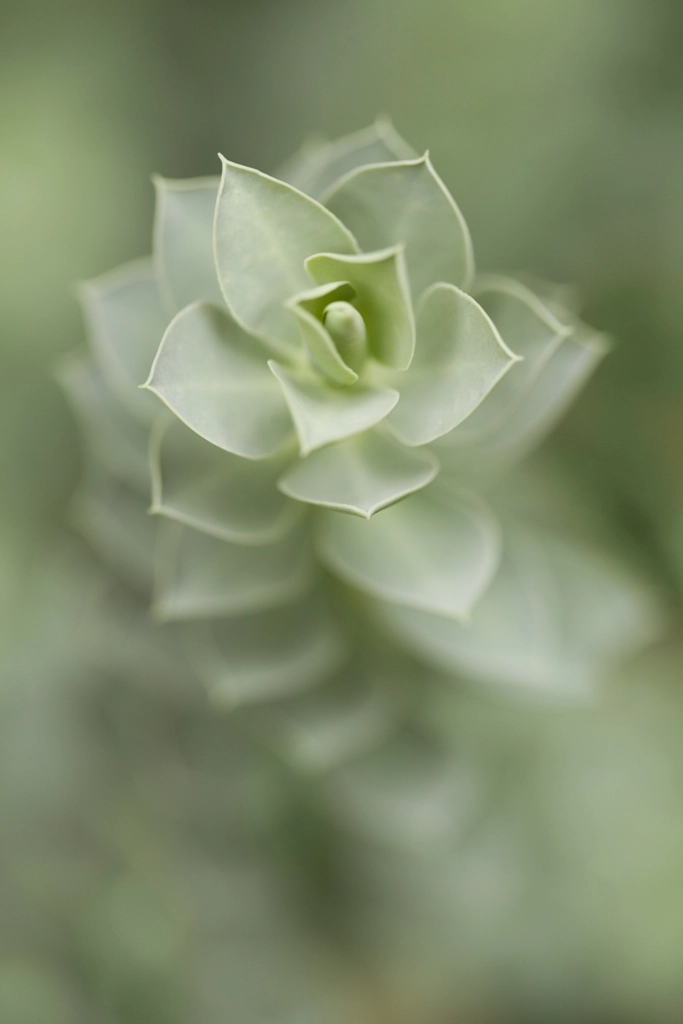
459,358
126,321
214,377
324,414
259,657
215,492
198,575
361,475
319,164
407,203
263,232
426,552
382,299
554,618
531,331
183,239
114,521
114,438
308,307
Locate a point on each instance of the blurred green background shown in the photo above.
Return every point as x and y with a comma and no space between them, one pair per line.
558,125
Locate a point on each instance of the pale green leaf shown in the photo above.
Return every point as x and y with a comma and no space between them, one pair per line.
263,232
114,521
259,657
308,307
323,414
214,377
183,240
198,575
337,722
112,437
555,618
560,380
459,358
361,475
126,321
214,491
407,203
531,331
319,164
382,299
430,552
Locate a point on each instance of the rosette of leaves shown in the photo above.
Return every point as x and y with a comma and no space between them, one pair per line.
337,384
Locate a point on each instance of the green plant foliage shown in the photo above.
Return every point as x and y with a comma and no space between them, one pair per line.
339,391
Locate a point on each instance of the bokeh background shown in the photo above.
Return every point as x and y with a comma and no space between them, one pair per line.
558,125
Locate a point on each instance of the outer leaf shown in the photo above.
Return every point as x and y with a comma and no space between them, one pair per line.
337,722
275,653
361,475
198,575
322,415
559,381
407,202
319,164
214,377
263,232
113,520
126,321
382,298
426,552
213,491
114,438
183,240
554,618
460,357
308,307
530,330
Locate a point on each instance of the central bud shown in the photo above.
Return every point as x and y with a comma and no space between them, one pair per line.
346,327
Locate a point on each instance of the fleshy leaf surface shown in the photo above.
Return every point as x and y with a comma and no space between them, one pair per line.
113,438
198,575
214,491
324,414
319,164
459,358
361,475
258,657
406,202
430,551
126,321
308,308
214,377
382,298
531,331
555,617
183,240
263,232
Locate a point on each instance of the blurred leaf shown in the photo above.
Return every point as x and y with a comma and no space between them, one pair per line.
198,575
427,552
215,492
183,240
319,164
277,652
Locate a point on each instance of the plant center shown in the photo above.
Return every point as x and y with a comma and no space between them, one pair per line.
346,327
